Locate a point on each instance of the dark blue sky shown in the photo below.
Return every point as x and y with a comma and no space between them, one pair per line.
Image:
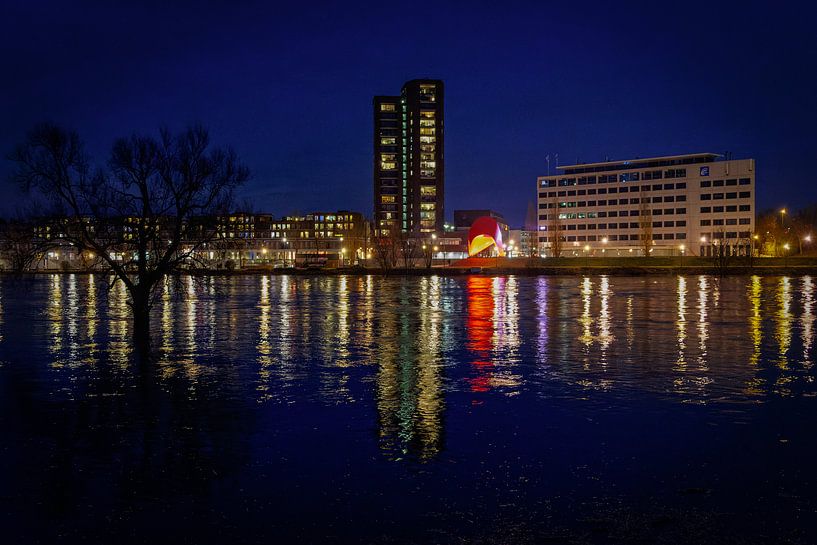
290,86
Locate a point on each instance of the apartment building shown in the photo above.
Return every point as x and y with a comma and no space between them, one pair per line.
409,165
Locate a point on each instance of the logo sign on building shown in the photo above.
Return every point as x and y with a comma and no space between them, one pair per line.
704,171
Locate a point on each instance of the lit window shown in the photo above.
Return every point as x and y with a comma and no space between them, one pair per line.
387,107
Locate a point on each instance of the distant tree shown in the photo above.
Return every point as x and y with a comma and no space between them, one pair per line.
555,230
407,244
20,246
645,225
386,249
145,214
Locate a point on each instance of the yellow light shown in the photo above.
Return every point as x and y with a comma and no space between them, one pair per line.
755,237
343,250
263,250
703,239
783,211
682,247
808,238
433,236
604,240
786,246
424,246
586,247
436,248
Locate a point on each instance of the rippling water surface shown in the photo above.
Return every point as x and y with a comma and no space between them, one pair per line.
422,409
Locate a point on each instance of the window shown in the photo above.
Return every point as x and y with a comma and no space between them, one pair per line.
706,183
681,185
428,190
745,221
745,194
732,195
717,183
731,221
744,181
680,198
744,208
387,199
680,210
387,107
681,223
717,196
669,186
732,208
388,141
717,209
731,182
706,210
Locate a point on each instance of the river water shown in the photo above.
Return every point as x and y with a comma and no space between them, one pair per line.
334,409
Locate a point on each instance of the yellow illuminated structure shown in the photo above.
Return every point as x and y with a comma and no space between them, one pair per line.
484,233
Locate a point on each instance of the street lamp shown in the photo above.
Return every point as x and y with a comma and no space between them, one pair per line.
782,215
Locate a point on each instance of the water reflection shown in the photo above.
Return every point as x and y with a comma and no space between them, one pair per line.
405,345
807,320
409,376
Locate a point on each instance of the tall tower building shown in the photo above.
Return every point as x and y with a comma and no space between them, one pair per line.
409,168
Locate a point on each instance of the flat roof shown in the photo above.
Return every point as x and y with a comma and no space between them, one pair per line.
640,160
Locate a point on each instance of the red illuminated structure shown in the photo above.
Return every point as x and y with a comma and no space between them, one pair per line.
484,233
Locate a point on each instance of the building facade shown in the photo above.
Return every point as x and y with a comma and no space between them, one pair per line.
683,204
409,163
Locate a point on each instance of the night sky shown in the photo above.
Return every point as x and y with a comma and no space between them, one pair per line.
290,86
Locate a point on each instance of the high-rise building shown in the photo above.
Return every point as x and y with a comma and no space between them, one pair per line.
409,168
681,204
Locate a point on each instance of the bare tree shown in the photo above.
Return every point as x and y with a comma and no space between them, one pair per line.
427,251
408,248
20,246
146,214
645,225
555,230
387,248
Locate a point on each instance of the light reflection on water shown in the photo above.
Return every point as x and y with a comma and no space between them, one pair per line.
275,396
410,343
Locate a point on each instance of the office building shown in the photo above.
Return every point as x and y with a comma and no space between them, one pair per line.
409,165
681,204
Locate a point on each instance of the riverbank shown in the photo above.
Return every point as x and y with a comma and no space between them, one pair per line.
567,266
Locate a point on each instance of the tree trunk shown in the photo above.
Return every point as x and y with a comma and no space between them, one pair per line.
141,319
